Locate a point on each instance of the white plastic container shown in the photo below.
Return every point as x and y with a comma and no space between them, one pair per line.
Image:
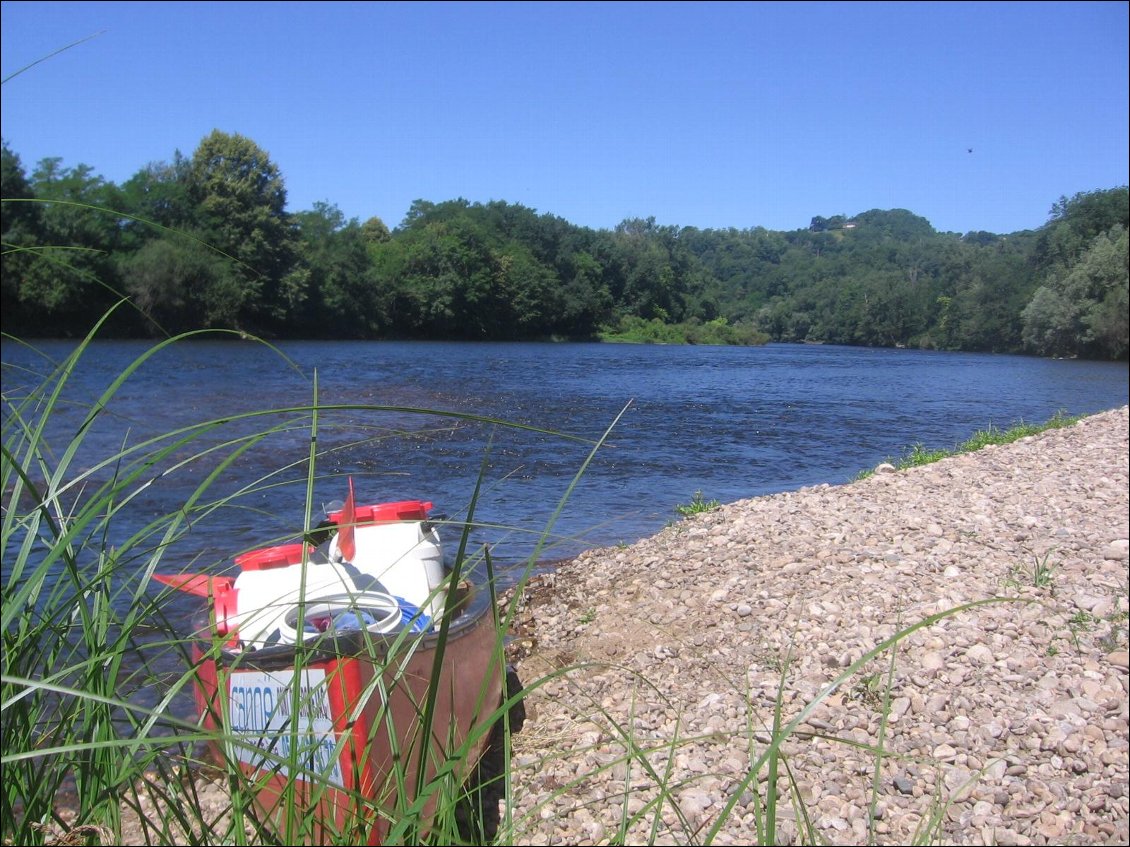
405,557
396,567
264,597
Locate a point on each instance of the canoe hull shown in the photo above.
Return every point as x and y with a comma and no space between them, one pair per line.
331,738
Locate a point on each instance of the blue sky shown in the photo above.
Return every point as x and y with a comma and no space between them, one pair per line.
699,114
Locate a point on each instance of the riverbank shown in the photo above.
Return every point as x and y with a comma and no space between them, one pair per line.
1002,724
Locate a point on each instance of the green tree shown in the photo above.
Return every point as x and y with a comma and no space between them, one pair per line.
343,301
208,241
423,278
157,198
74,276
897,224
586,302
656,275
1074,223
990,289
181,284
458,269
374,231
22,230
1083,310
240,203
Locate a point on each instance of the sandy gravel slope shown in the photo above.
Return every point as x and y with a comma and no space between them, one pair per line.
1006,722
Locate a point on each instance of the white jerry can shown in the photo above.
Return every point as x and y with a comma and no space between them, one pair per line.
275,581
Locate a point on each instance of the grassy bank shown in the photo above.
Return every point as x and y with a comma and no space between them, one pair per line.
918,454
636,330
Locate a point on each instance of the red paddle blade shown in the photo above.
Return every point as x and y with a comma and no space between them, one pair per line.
199,584
346,542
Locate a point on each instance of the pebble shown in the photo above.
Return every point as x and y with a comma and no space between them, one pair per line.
1014,711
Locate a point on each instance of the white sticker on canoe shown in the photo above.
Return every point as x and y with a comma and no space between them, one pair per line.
261,708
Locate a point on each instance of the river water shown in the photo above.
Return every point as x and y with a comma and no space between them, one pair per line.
730,423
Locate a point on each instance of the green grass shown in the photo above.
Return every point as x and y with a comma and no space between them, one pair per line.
918,454
587,616
1042,571
698,505
718,332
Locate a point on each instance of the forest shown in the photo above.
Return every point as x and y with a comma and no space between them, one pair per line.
207,241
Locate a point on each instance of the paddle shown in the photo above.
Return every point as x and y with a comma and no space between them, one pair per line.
199,584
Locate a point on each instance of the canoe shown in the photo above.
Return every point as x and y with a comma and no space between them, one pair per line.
355,681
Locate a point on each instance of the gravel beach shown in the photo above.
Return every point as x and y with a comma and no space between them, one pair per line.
1001,720
1005,723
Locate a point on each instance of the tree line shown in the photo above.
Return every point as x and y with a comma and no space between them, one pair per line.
207,241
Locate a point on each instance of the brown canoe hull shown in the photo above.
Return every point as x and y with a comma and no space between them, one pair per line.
334,742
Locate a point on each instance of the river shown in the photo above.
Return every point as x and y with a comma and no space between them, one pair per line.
730,423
